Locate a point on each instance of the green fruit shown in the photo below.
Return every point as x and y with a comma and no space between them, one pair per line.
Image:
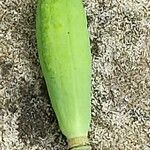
65,58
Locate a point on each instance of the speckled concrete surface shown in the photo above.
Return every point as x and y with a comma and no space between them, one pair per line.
120,44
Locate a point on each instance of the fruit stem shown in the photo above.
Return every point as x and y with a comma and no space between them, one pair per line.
79,143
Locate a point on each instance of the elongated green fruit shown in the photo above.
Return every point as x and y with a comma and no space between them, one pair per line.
64,52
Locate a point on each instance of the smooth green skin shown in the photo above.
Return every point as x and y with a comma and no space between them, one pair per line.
64,51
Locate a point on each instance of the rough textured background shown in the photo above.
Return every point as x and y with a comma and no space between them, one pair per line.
120,41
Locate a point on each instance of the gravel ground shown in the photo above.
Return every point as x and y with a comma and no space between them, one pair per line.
120,44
